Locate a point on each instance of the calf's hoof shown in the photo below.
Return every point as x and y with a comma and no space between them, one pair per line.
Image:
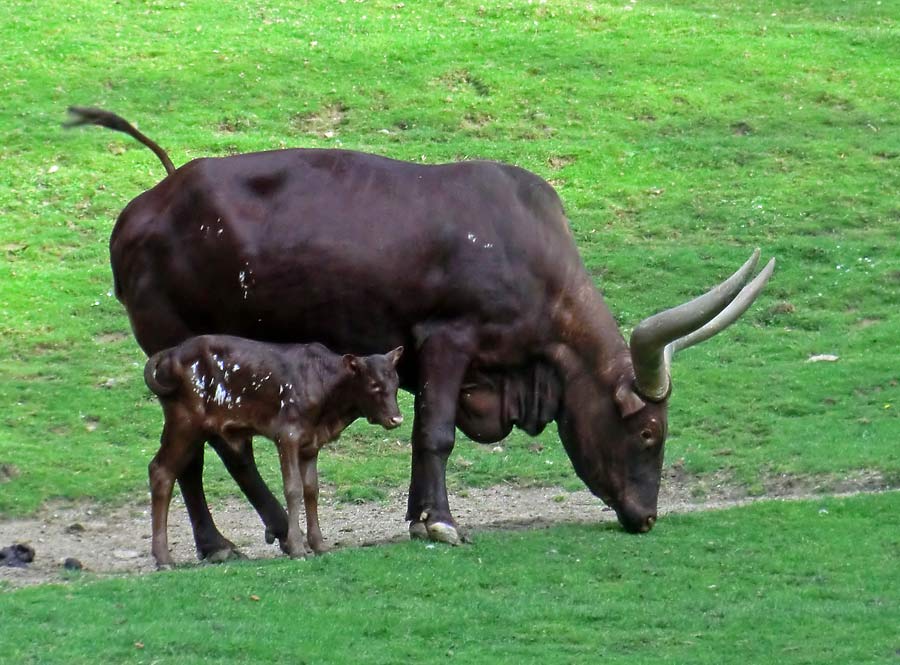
296,549
318,546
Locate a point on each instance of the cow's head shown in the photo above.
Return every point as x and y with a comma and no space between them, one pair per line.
613,418
615,438
373,387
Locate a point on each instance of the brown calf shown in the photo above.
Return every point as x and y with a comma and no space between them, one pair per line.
300,396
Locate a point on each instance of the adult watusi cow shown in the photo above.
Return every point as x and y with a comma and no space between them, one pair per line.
471,266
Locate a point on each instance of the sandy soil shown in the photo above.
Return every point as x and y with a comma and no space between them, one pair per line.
110,541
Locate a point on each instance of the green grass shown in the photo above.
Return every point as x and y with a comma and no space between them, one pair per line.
774,582
679,134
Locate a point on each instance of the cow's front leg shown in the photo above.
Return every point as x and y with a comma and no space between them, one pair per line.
239,461
294,544
310,477
443,358
211,544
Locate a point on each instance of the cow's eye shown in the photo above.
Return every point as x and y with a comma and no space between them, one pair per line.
376,388
650,433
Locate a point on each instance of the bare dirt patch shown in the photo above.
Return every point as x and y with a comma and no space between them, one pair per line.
109,541
462,80
324,122
558,162
474,122
8,472
111,337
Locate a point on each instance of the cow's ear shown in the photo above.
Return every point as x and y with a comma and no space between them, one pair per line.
394,356
628,401
351,362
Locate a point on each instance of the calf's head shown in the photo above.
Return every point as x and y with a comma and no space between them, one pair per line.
373,385
613,418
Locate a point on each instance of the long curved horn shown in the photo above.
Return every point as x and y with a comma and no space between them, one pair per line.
727,316
656,338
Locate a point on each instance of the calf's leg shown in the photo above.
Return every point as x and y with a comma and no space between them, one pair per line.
310,476
177,446
294,545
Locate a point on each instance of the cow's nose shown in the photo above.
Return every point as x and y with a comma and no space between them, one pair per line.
648,523
396,420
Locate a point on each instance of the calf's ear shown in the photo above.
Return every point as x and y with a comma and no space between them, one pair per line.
394,356
352,363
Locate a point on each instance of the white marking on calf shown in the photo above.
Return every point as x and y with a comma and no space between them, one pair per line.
197,379
221,395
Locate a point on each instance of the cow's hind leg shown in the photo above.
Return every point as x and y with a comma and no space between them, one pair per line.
212,546
443,358
242,467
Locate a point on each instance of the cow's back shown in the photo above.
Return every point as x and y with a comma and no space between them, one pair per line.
346,248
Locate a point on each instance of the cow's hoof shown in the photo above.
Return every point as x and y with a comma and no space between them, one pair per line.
270,536
165,566
418,531
442,532
224,554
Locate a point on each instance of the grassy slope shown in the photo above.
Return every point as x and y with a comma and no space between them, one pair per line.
679,135
775,582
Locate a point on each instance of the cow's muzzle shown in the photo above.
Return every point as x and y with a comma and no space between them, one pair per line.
635,518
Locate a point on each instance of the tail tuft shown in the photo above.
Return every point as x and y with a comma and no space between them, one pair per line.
87,115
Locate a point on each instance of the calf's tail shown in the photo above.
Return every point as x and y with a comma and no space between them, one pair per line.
84,115
162,373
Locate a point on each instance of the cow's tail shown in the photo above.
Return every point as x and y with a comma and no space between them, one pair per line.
162,373
84,115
